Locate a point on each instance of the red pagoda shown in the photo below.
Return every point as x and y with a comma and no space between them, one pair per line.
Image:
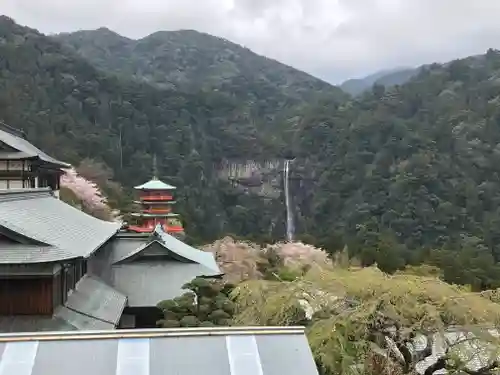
156,201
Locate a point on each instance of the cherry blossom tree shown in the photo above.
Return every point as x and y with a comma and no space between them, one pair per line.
88,195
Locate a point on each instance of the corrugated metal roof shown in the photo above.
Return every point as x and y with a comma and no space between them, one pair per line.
230,351
94,298
38,215
155,184
27,148
148,282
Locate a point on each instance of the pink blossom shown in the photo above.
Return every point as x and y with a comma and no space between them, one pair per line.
87,192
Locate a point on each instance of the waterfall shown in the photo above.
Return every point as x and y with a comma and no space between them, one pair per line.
289,211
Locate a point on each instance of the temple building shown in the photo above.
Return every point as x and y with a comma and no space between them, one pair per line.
22,165
61,269
156,208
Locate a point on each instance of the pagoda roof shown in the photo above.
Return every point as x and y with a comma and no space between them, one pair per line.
168,214
42,228
155,184
22,149
155,202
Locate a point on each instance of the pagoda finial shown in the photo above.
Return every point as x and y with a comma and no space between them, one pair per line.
155,168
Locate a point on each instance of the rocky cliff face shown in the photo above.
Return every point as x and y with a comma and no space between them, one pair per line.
259,177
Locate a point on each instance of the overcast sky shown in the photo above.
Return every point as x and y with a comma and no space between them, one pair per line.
332,39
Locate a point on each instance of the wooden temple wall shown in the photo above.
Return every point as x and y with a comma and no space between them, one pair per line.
26,296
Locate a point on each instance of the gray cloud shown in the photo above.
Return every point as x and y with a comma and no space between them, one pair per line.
333,39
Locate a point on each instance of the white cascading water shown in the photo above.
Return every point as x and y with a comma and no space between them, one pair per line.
289,212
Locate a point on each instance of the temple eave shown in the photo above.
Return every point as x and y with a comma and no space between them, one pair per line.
154,215
160,202
142,229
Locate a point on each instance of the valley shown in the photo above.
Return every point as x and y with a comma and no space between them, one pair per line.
401,175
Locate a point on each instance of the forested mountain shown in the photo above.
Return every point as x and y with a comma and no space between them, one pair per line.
402,175
75,111
413,172
192,61
387,78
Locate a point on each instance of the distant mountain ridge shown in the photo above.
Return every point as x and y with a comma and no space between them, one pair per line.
190,60
391,77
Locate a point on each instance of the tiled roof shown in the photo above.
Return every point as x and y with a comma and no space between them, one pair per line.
14,155
178,248
22,254
194,351
155,184
95,299
175,245
169,214
125,247
19,143
39,216
80,322
148,282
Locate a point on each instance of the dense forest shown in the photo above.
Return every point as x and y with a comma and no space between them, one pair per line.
387,78
77,112
412,173
190,60
402,175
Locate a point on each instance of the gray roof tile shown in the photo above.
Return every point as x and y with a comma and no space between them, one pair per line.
125,247
22,254
14,155
147,283
218,351
181,249
27,148
79,321
34,269
36,214
94,298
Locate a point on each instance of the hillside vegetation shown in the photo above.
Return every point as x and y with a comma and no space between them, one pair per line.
412,172
401,175
358,320
194,61
387,78
75,111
